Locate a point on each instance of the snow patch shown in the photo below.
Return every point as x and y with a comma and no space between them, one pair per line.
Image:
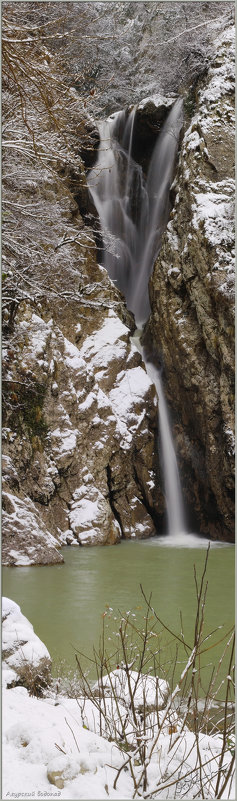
215,212
20,644
107,344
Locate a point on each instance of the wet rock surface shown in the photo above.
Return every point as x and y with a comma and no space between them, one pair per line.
191,329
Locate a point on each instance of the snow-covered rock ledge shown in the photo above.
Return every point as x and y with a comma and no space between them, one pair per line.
53,746
26,660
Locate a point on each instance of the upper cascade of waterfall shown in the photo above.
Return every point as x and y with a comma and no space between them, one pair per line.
133,213
133,210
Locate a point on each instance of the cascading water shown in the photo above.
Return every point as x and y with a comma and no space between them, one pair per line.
133,214
173,494
175,511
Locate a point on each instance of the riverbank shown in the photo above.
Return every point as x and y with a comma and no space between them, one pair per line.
87,765
93,747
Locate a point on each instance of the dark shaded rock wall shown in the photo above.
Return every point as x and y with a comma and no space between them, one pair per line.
192,296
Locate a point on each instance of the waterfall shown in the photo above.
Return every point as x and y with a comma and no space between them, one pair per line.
173,494
133,214
118,189
129,132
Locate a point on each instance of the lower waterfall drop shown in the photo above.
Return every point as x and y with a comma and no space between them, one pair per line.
133,215
175,510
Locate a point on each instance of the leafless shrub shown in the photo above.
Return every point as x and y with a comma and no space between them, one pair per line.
46,246
36,678
153,722
44,129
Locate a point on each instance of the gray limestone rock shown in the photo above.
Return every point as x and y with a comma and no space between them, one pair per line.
192,298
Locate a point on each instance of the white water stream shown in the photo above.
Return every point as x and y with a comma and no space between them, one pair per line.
133,211
173,493
133,214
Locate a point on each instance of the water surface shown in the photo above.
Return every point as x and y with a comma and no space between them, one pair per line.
66,603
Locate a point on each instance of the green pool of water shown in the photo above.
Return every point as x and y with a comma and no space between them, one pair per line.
65,603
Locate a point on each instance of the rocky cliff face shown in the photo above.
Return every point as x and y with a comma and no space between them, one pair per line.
78,455
79,412
191,328
80,463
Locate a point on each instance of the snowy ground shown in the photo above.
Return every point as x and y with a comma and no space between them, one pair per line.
53,746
